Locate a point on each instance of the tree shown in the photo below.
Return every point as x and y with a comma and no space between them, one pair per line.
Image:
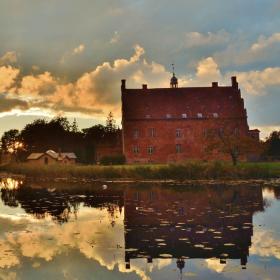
111,123
10,141
272,144
229,141
74,126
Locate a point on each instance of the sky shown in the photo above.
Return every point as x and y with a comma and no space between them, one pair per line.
67,57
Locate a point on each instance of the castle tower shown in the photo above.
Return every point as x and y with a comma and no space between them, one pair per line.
173,80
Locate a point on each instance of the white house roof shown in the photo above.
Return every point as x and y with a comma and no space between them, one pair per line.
35,155
53,154
69,155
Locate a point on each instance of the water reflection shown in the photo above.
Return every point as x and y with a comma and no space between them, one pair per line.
210,222
134,232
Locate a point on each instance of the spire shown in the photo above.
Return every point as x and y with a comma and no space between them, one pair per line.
173,80
180,264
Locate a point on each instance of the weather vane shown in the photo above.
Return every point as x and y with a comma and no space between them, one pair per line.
173,68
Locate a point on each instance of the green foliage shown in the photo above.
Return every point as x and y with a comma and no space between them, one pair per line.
9,140
272,144
113,160
111,123
188,171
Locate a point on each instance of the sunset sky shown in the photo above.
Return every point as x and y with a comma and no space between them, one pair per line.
67,57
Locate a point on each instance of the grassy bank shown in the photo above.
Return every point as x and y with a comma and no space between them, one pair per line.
186,171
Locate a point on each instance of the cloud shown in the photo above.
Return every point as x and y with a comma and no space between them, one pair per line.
240,52
208,71
259,82
215,265
97,92
70,54
265,42
8,58
265,244
42,84
8,75
94,92
8,103
196,39
79,49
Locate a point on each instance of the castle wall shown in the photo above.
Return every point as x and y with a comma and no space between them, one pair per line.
173,124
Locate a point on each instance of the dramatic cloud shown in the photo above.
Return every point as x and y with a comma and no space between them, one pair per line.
8,75
95,92
85,54
9,103
208,71
42,84
259,82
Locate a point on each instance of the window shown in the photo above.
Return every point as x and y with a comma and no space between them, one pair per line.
178,148
168,116
152,132
150,150
236,131
136,149
199,115
184,116
136,133
178,133
205,132
221,131
215,115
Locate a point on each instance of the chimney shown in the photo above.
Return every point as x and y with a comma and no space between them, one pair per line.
144,86
123,84
215,84
234,82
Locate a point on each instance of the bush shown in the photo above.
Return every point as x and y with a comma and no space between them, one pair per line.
113,160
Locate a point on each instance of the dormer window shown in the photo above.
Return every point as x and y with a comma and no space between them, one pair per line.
184,116
199,115
168,116
215,115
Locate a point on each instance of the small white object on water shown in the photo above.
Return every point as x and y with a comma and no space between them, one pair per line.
51,189
104,187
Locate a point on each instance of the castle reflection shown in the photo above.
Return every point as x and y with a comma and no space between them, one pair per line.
159,222
206,222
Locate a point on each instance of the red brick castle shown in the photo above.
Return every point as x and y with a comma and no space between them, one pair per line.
170,124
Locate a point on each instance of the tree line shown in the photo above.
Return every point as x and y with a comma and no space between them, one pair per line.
60,135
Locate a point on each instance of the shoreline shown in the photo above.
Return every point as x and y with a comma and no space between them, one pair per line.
188,173
127,181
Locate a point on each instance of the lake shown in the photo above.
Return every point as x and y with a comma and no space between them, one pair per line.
138,231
